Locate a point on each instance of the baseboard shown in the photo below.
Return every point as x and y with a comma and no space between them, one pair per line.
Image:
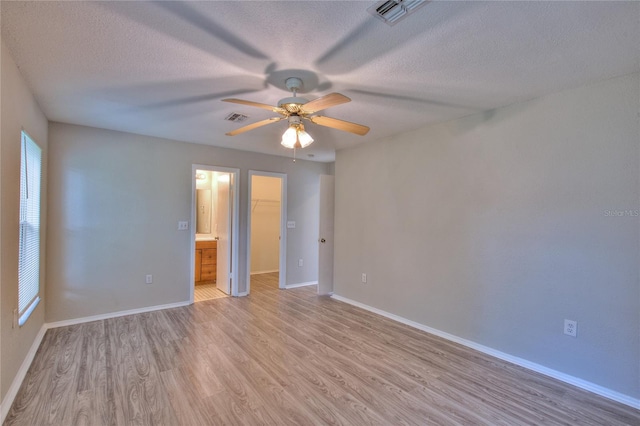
271,271
21,374
100,317
243,293
290,286
575,381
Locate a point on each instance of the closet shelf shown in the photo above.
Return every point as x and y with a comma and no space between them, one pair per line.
256,201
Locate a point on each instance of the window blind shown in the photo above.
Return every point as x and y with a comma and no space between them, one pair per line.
29,247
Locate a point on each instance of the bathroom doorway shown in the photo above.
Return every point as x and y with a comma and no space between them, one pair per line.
266,236
215,233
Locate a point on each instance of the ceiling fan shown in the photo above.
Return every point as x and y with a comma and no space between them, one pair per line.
295,109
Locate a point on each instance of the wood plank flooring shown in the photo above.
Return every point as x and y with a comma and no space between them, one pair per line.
207,292
284,357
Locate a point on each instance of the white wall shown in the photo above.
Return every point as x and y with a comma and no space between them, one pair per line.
110,225
19,111
265,224
494,228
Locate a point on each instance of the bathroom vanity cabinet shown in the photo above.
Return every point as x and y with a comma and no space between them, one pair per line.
206,261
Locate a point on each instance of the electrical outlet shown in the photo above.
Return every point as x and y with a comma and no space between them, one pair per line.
364,277
183,225
300,262
571,328
148,279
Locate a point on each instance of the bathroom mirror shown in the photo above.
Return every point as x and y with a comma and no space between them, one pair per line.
203,217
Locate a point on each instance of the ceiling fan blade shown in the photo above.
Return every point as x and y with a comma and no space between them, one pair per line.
332,99
254,104
254,126
334,123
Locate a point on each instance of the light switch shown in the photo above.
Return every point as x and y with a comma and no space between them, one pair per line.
291,224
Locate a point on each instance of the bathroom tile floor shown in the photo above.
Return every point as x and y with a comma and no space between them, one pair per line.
207,292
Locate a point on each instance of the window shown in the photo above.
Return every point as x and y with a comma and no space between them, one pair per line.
29,250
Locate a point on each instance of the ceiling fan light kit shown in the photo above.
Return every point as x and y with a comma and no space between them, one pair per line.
295,109
296,137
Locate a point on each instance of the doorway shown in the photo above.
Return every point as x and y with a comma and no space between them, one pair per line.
266,235
214,236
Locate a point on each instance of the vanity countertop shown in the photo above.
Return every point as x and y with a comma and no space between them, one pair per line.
205,238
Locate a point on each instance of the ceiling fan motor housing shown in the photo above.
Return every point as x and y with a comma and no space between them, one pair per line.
292,104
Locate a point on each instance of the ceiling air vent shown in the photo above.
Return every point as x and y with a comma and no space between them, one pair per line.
236,117
393,11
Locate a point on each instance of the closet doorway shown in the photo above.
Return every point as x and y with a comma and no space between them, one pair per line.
266,236
214,236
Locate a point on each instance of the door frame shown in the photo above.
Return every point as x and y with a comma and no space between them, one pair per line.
235,226
282,274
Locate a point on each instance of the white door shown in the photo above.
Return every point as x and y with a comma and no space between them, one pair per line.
223,234
325,251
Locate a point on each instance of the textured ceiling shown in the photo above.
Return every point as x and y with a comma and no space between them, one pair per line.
161,68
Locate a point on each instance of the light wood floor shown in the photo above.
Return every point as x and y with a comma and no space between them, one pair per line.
284,357
203,292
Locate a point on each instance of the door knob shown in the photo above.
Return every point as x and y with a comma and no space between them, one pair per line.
322,240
